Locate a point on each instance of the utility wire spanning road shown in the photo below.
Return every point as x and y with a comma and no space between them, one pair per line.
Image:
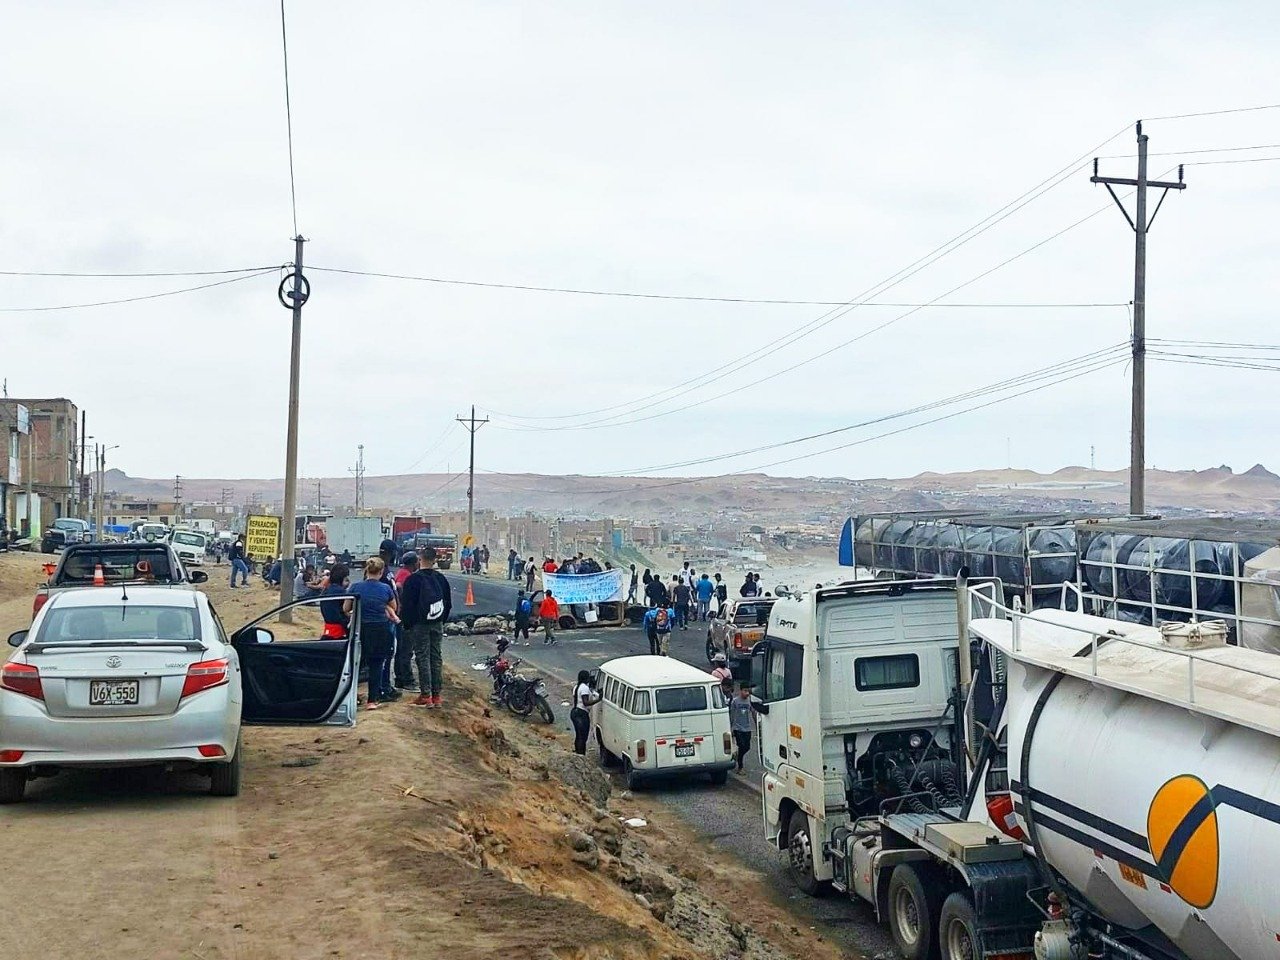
729,817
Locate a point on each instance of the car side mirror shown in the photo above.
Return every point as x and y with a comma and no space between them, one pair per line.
197,576
254,635
15,639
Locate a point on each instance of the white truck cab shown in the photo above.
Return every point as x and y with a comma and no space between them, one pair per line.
857,680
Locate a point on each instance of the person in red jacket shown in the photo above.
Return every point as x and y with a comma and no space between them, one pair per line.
549,614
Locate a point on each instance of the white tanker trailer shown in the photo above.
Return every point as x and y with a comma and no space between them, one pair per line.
1112,791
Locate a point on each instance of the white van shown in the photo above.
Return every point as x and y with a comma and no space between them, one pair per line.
661,717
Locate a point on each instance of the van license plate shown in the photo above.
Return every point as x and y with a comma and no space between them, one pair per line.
685,751
113,693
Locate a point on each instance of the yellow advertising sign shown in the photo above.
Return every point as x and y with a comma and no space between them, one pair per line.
468,541
262,536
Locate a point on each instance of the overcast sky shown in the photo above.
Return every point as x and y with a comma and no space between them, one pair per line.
754,150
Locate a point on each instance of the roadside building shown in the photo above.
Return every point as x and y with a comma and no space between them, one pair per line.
40,451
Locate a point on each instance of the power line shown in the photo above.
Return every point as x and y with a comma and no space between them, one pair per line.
694,299
1215,344
939,252
1214,163
1215,113
844,446
1188,153
288,116
176,273
150,296
1044,373
614,420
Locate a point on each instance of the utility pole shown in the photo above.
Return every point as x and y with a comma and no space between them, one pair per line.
177,499
358,471
472,425
82,488
319,504
31,473
100,454
293,300
1140,224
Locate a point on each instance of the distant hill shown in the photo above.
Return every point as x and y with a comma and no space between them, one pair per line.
757,497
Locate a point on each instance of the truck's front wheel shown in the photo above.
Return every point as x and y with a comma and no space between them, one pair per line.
914,904
800,855
958,929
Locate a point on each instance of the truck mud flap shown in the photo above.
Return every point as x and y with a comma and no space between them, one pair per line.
1007,918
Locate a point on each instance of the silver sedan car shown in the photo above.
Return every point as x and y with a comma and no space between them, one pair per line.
131,675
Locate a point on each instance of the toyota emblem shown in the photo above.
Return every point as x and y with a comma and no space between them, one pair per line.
113,662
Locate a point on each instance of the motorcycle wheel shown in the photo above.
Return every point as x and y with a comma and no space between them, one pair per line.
544,710
520,702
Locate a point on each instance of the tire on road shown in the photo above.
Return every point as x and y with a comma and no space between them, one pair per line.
13,785
958,935
608,759
915,900
719,777
635,782
800,855
224,778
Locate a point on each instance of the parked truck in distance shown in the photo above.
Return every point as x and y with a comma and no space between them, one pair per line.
360,536
1057,786
446,545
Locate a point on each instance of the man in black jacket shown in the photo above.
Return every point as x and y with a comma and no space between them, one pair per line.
425,604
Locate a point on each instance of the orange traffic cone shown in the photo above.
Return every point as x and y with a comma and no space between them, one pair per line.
98,579
471,597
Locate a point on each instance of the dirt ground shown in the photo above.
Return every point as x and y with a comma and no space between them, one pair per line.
443,833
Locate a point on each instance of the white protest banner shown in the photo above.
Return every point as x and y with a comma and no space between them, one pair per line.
585,587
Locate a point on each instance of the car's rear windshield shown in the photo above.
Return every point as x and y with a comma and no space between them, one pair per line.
756,614
118,563
123,621
680,699
190,539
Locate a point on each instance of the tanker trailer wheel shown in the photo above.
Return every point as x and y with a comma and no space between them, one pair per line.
800,855
915,900
958,929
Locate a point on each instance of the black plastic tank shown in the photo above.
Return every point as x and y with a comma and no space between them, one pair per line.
977,552
949,545
1053,569
1007,554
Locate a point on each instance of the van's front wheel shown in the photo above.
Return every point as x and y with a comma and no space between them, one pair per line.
800,855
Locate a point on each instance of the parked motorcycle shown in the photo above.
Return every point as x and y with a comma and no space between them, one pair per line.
526,695
520,694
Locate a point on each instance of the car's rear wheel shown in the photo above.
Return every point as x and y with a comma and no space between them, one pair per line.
711,648
224,779
719,777
13,785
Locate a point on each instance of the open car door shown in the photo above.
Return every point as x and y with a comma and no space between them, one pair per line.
293,674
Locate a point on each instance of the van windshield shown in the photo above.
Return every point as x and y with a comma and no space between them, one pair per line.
680,699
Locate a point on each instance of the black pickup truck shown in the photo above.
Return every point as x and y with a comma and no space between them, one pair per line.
154,564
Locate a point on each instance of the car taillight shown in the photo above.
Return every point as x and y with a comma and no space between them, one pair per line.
737,640
11,756
728,743
22,678
42,597
641,750
204,675
211,750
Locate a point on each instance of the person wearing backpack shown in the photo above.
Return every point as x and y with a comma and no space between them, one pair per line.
657,626
426,602
524,611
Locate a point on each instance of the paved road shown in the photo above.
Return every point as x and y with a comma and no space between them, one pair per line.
732,821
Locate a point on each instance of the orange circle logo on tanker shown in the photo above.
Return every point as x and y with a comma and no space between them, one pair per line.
1182,832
